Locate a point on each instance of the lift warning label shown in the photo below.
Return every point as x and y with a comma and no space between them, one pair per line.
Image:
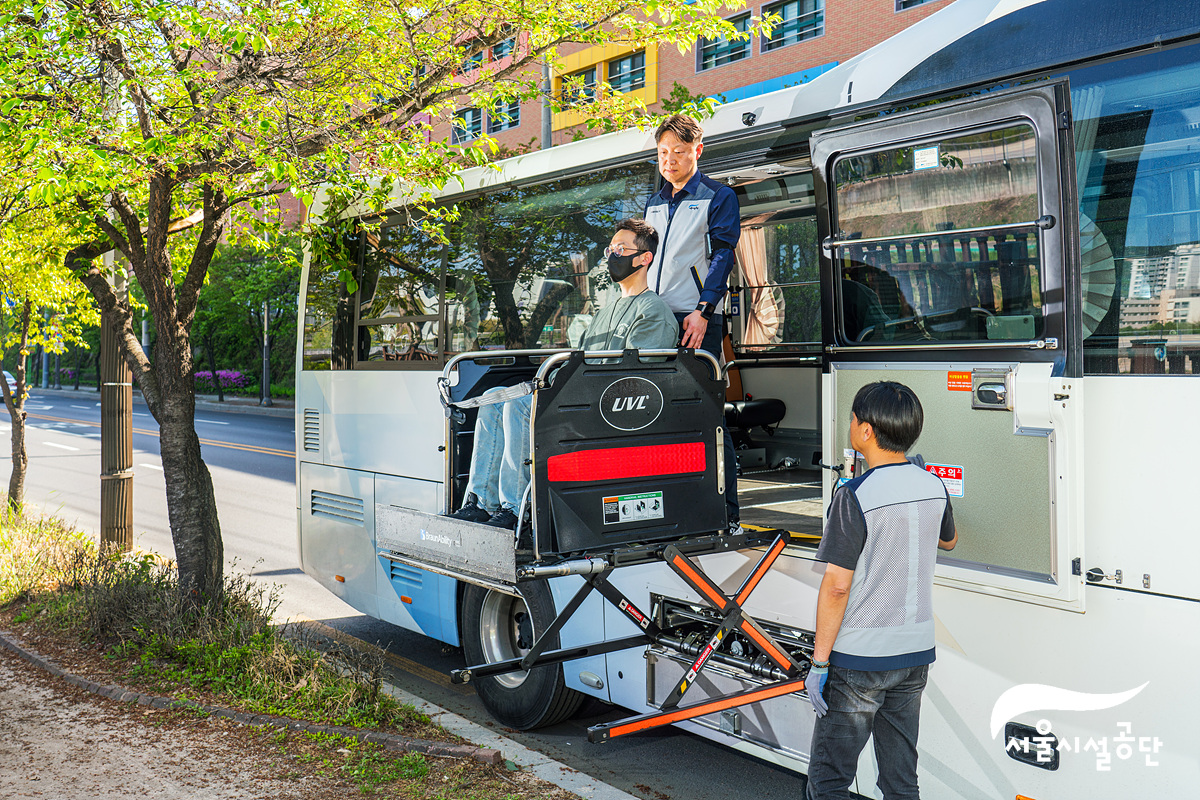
952,477
633,507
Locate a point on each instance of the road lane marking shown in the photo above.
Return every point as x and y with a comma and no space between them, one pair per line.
86,408
211,422
806,485
140,414
151,466
61,446
250,448
786,502
399,662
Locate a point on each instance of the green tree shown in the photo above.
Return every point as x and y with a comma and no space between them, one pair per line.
42,305
148,119
229,318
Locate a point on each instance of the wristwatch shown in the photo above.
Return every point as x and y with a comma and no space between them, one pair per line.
706,309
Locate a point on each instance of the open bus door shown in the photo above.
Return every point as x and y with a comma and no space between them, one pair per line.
948,264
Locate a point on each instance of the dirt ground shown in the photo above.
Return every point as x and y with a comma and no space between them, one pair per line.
58,741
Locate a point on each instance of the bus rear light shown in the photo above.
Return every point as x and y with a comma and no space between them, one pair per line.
619,463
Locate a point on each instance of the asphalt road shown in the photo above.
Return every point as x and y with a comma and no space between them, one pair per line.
251,460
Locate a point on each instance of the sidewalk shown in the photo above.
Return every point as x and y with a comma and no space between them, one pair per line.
62,736
281,407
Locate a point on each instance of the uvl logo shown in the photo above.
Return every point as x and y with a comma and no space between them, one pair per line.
630,404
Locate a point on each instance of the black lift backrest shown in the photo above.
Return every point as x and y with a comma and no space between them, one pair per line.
627,452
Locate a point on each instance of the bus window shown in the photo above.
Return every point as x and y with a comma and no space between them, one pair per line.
524,265
399,295
1137,140
328,307
949,251
777,257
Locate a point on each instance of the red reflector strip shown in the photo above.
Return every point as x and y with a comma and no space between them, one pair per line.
616,463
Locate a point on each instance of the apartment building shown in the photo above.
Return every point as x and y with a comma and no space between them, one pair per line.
813,36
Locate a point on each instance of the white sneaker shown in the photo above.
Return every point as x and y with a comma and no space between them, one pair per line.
735,528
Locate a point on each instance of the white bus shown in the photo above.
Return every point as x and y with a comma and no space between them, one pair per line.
999,207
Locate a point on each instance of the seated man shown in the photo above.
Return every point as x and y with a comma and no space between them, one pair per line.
639,319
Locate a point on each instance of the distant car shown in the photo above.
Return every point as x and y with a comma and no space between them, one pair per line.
11,381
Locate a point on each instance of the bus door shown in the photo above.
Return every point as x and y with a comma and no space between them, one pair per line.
947,250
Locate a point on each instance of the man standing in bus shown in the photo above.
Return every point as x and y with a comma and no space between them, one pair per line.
637,320
875,636
700,221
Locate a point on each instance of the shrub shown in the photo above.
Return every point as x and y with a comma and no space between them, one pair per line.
230,380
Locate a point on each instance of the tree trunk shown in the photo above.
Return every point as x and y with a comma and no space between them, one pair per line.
16,410
77,348
191,503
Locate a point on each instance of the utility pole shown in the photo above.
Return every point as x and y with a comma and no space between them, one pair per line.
116,399
266,356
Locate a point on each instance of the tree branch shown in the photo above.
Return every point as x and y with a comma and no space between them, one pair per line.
215,207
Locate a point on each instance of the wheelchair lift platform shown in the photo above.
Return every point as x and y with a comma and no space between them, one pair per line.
609,431
485,556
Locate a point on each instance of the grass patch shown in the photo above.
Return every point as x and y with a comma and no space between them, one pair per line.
225,649
35,554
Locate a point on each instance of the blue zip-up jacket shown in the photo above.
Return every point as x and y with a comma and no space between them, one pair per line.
698,229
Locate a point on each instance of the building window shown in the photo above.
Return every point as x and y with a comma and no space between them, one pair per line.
628,73
468,125
502,49
506,115
580,87
719,52
802,19
903,4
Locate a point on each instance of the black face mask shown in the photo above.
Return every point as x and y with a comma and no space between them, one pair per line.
621,267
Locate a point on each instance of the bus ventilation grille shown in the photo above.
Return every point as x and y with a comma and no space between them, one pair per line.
312,430
337,507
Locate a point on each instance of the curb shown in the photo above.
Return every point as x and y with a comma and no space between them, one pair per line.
539,764
227,407
123,695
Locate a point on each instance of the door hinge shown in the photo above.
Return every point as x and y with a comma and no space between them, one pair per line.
1076,567
1064,120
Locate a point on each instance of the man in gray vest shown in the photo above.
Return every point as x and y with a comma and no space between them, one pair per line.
700,225
875,638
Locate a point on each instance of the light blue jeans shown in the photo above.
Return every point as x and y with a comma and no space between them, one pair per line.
498,471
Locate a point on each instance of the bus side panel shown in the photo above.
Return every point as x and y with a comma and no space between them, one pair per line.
1141,436
337,516
988,645
386,421
410,597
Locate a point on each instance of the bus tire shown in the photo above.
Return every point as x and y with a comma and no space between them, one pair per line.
496,627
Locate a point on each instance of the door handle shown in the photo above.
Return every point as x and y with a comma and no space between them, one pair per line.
992,395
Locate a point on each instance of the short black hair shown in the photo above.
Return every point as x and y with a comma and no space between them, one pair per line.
644,235
893,411
686,129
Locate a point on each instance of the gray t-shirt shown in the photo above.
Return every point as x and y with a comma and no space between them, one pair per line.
641,322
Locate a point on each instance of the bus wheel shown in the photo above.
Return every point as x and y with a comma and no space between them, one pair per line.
497,627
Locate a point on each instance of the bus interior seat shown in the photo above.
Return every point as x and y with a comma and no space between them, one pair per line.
744,412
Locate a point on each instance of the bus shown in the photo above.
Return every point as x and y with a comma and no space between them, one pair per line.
1000,208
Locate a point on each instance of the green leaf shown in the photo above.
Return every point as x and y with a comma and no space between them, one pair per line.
10,104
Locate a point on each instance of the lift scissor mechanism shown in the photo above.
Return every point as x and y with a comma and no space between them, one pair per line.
786,667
